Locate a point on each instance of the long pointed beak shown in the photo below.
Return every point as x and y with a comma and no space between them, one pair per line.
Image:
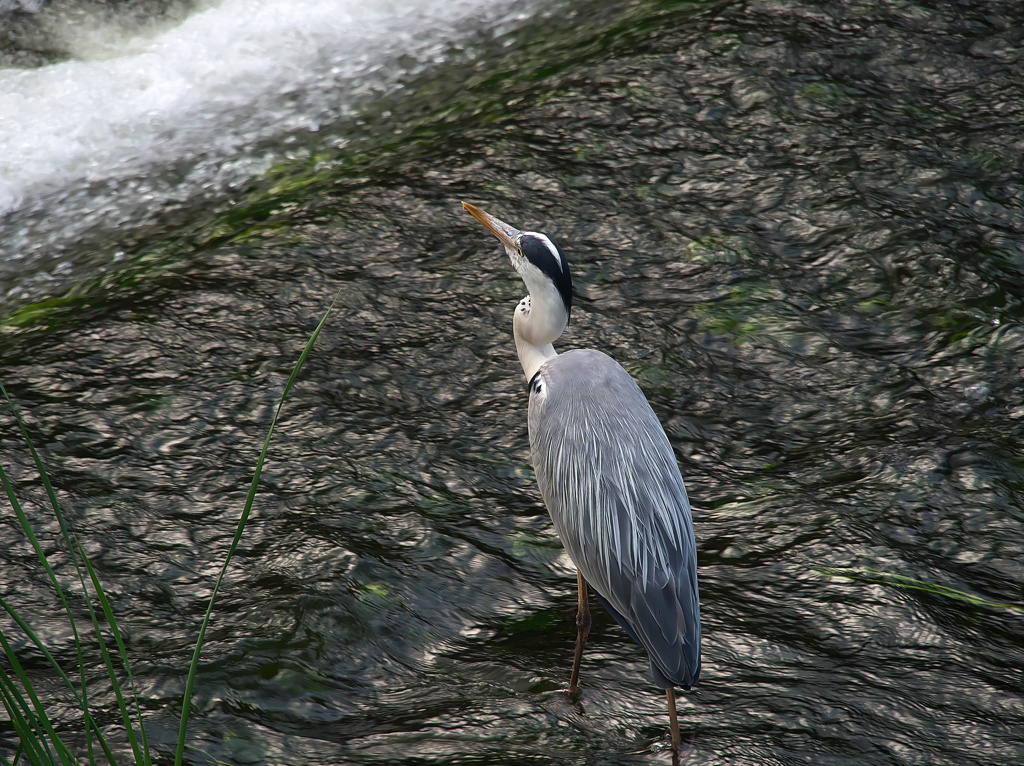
507,234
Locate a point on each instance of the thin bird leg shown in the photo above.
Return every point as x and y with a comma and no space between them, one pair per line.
670,695
582,631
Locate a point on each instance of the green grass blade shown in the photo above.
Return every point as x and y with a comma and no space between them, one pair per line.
31,535
38,711
90,729
21,714
243,519
867,574
90,722
35,455
17,754
142,756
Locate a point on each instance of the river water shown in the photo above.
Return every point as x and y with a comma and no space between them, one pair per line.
800,226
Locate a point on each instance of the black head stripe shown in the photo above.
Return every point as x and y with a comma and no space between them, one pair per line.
553,264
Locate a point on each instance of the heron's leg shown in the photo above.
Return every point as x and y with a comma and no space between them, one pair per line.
582,631
673,720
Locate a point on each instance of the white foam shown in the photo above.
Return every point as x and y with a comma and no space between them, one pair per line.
30,6
128,97
211,88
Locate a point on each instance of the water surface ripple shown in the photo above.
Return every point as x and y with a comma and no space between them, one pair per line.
799,226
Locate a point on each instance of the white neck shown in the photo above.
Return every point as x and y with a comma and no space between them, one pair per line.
537,323
532,357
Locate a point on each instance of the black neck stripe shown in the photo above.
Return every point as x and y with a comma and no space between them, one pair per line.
529,386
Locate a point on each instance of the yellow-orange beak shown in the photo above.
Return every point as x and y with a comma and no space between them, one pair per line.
507,234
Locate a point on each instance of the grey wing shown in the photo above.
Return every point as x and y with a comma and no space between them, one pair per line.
612,486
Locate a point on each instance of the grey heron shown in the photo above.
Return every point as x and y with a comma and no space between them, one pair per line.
607,474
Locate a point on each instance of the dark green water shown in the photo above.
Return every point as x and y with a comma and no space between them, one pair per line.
800,226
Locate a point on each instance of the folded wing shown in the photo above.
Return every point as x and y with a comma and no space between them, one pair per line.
611,483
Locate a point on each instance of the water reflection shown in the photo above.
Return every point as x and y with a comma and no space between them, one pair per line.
798,227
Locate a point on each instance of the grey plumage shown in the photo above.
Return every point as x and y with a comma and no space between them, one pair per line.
612,486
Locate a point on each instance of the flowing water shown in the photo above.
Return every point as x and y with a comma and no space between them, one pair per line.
800,226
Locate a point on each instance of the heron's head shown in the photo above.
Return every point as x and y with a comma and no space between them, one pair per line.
536,258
